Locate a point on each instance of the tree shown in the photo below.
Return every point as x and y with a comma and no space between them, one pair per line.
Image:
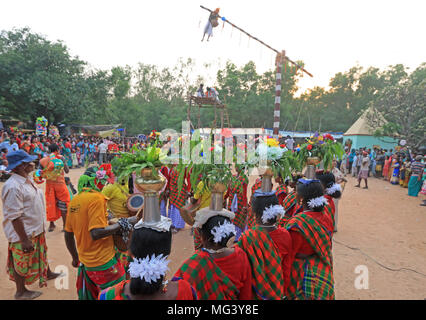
38,77
403,106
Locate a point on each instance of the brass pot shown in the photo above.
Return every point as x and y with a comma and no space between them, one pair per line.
148,183
267,171
313,161
218,188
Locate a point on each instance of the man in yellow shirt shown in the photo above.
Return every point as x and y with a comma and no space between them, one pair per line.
117,195
202,195
89,239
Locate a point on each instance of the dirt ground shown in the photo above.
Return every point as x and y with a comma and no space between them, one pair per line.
381,229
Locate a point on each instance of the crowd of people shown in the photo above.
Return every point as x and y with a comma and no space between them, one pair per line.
398,167
77,150
270,246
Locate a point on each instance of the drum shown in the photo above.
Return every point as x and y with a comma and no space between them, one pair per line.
134,203
188,213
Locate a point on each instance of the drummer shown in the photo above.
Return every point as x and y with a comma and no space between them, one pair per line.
89,238
117,195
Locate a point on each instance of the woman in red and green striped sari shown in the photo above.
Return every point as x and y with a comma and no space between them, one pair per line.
150,249
311,232
268,248
332,191
218,271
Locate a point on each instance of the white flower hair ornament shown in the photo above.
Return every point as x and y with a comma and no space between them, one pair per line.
149,269
223,230
317,202
335,187
272,212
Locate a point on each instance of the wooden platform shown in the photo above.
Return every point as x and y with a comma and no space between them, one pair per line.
206,101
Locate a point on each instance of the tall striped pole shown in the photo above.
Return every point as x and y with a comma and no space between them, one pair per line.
279,63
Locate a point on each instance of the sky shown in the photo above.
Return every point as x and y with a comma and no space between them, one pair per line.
329,36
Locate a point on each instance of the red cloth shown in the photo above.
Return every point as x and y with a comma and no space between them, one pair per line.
283,242
237,267
331,203
281,198
185,291
299,243
165,171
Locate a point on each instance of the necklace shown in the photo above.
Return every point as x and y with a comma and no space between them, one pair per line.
270,226
215,251
165,284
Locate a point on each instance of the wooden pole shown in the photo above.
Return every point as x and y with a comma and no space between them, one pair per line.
258,40
277,110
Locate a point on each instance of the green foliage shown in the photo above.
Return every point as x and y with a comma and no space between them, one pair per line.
40,77
136,160
400,108
322,146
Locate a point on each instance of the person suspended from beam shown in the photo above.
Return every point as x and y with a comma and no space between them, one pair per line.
211,23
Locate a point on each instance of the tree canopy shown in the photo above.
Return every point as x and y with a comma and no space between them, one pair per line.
40,77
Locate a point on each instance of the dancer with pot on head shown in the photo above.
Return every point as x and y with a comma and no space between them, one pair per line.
311,233
88,237
333,192
268,248
150,247
212,270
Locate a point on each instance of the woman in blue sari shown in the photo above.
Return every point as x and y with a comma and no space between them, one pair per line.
396,165
66,152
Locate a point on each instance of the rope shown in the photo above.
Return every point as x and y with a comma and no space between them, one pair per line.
380,264
126,227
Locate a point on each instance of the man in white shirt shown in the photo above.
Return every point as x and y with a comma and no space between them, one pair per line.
363,172
23,224
289,142
103,147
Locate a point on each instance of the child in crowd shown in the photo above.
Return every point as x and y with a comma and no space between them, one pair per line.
74,159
